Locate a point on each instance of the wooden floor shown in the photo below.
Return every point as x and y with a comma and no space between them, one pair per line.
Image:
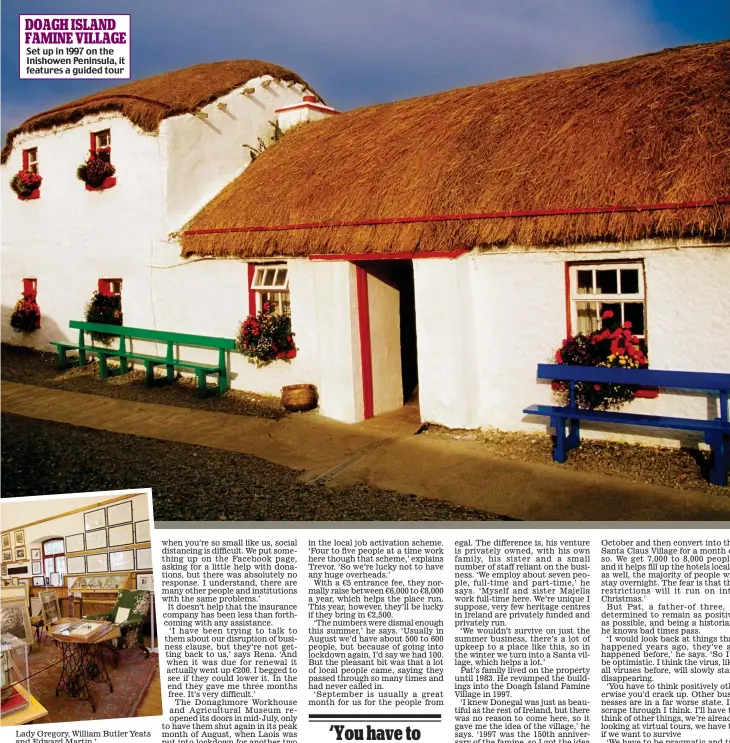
152,702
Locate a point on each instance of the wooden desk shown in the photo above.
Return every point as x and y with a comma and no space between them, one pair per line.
82,660
33,711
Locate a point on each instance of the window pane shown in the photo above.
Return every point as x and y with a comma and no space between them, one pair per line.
607,281
269,279
614,321
587,317
585,282
280,277
61,565
54,547
629,281
634,313
259,277
48,566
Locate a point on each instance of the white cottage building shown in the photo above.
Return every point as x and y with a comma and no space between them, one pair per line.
446,243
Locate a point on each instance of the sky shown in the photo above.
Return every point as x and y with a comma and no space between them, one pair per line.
358,52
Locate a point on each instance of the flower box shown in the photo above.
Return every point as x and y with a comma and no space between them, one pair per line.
108,182
34,194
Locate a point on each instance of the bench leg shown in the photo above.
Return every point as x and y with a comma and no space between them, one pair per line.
82,357
222,383
574,436
170,373
103,368
718,469
202,382
62,363
149,373
560,452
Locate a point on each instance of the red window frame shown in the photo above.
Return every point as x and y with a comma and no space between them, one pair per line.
27,165
110,287
55,556
30,286
93,147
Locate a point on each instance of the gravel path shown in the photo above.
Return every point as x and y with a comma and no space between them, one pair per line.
192,483
682,469
27,366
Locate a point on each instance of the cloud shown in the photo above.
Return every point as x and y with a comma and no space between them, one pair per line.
356,53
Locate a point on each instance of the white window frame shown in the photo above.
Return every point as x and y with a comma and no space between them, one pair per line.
32,159
263,282
598,298
107,135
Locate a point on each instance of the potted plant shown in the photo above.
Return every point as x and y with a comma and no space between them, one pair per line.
612,346
25,183
26,315
266,337
107,310
97,168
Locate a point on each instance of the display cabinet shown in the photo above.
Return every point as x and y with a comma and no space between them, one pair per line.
15,676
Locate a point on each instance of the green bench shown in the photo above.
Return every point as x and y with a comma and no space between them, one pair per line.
127,355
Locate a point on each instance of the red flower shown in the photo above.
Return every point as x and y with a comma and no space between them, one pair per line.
597,387
558,357
291,354
607,315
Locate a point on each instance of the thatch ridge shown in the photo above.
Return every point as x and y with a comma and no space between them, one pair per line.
148,101
644,130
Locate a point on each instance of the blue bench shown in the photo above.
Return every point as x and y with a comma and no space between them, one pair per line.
566,419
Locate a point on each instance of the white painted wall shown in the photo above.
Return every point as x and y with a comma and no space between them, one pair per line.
338,334
448,387
71,237
384,311
204,155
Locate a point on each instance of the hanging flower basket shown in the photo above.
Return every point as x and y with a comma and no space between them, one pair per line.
26,315
97,168
613,346
25,183
266,337
107,310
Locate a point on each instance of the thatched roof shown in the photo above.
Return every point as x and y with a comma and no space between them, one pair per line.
649,129
148,101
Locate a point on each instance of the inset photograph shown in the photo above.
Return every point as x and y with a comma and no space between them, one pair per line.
78,637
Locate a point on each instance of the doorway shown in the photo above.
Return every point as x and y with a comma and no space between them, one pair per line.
388,343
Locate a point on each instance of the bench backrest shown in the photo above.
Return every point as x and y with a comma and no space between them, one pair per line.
162,336
641,377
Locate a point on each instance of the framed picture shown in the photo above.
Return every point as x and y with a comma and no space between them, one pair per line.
35,553
97,563
7,555
142,531
75,543
96,540
121,535
19,535
8,592
145,582
7,544
36,567
20,553
15,618
119,513
76,564
24,581
39,580
94,519
56,579
123,560
4,569
144,559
